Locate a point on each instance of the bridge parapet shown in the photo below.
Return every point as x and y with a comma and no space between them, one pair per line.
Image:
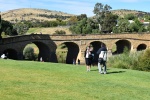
21,38
101,36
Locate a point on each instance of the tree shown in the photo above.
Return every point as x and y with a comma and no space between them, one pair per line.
93,25
87,29
84,26
130,17
78,28
102,11
136,26
21,28
73,20
122,26
98,9
99,12
6,27
147,17
110,21
82,16
133,27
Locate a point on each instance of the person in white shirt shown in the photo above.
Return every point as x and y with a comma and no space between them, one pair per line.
88,58
3,56
102,52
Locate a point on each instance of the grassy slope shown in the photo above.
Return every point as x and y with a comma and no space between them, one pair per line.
50,30
24,80
30,14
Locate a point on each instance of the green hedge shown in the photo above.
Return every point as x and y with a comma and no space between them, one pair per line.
135,60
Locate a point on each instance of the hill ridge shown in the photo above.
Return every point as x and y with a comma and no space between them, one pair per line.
33,14
123,12
38,14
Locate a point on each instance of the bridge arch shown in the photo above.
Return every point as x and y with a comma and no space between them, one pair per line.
11,53
44,50
141,47
72,51
121,44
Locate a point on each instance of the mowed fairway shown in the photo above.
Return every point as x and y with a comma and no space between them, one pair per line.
28,80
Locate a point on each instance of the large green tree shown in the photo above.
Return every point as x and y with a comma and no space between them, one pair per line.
21,28
130,16
79,27
122,26
85,26
110,21
104,18
136,26
6,27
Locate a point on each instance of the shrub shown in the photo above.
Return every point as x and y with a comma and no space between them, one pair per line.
144,61
120,61
61,32
134,63
119,64
29,53
126,60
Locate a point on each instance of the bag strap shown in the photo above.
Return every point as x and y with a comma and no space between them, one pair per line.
103,54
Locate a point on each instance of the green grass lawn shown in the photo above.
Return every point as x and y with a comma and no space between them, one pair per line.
27,80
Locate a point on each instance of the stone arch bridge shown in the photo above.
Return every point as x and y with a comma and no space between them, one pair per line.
76,45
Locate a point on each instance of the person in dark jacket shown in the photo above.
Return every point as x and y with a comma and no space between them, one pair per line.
102,52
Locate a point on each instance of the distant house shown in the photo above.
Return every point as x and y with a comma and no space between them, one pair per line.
142,21
146,24
131,21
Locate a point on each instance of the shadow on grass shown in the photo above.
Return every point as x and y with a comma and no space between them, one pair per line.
95,70
115,72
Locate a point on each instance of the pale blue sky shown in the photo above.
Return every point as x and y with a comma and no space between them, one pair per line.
76,7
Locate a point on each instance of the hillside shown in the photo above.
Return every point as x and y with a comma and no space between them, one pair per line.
40,15
123,12
33,14
50,30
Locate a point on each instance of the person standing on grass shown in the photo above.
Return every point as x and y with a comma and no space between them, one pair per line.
3,56
74,61
41,59
78,61
92,56
87,58
102,52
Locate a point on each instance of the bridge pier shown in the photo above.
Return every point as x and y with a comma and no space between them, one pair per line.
20,56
